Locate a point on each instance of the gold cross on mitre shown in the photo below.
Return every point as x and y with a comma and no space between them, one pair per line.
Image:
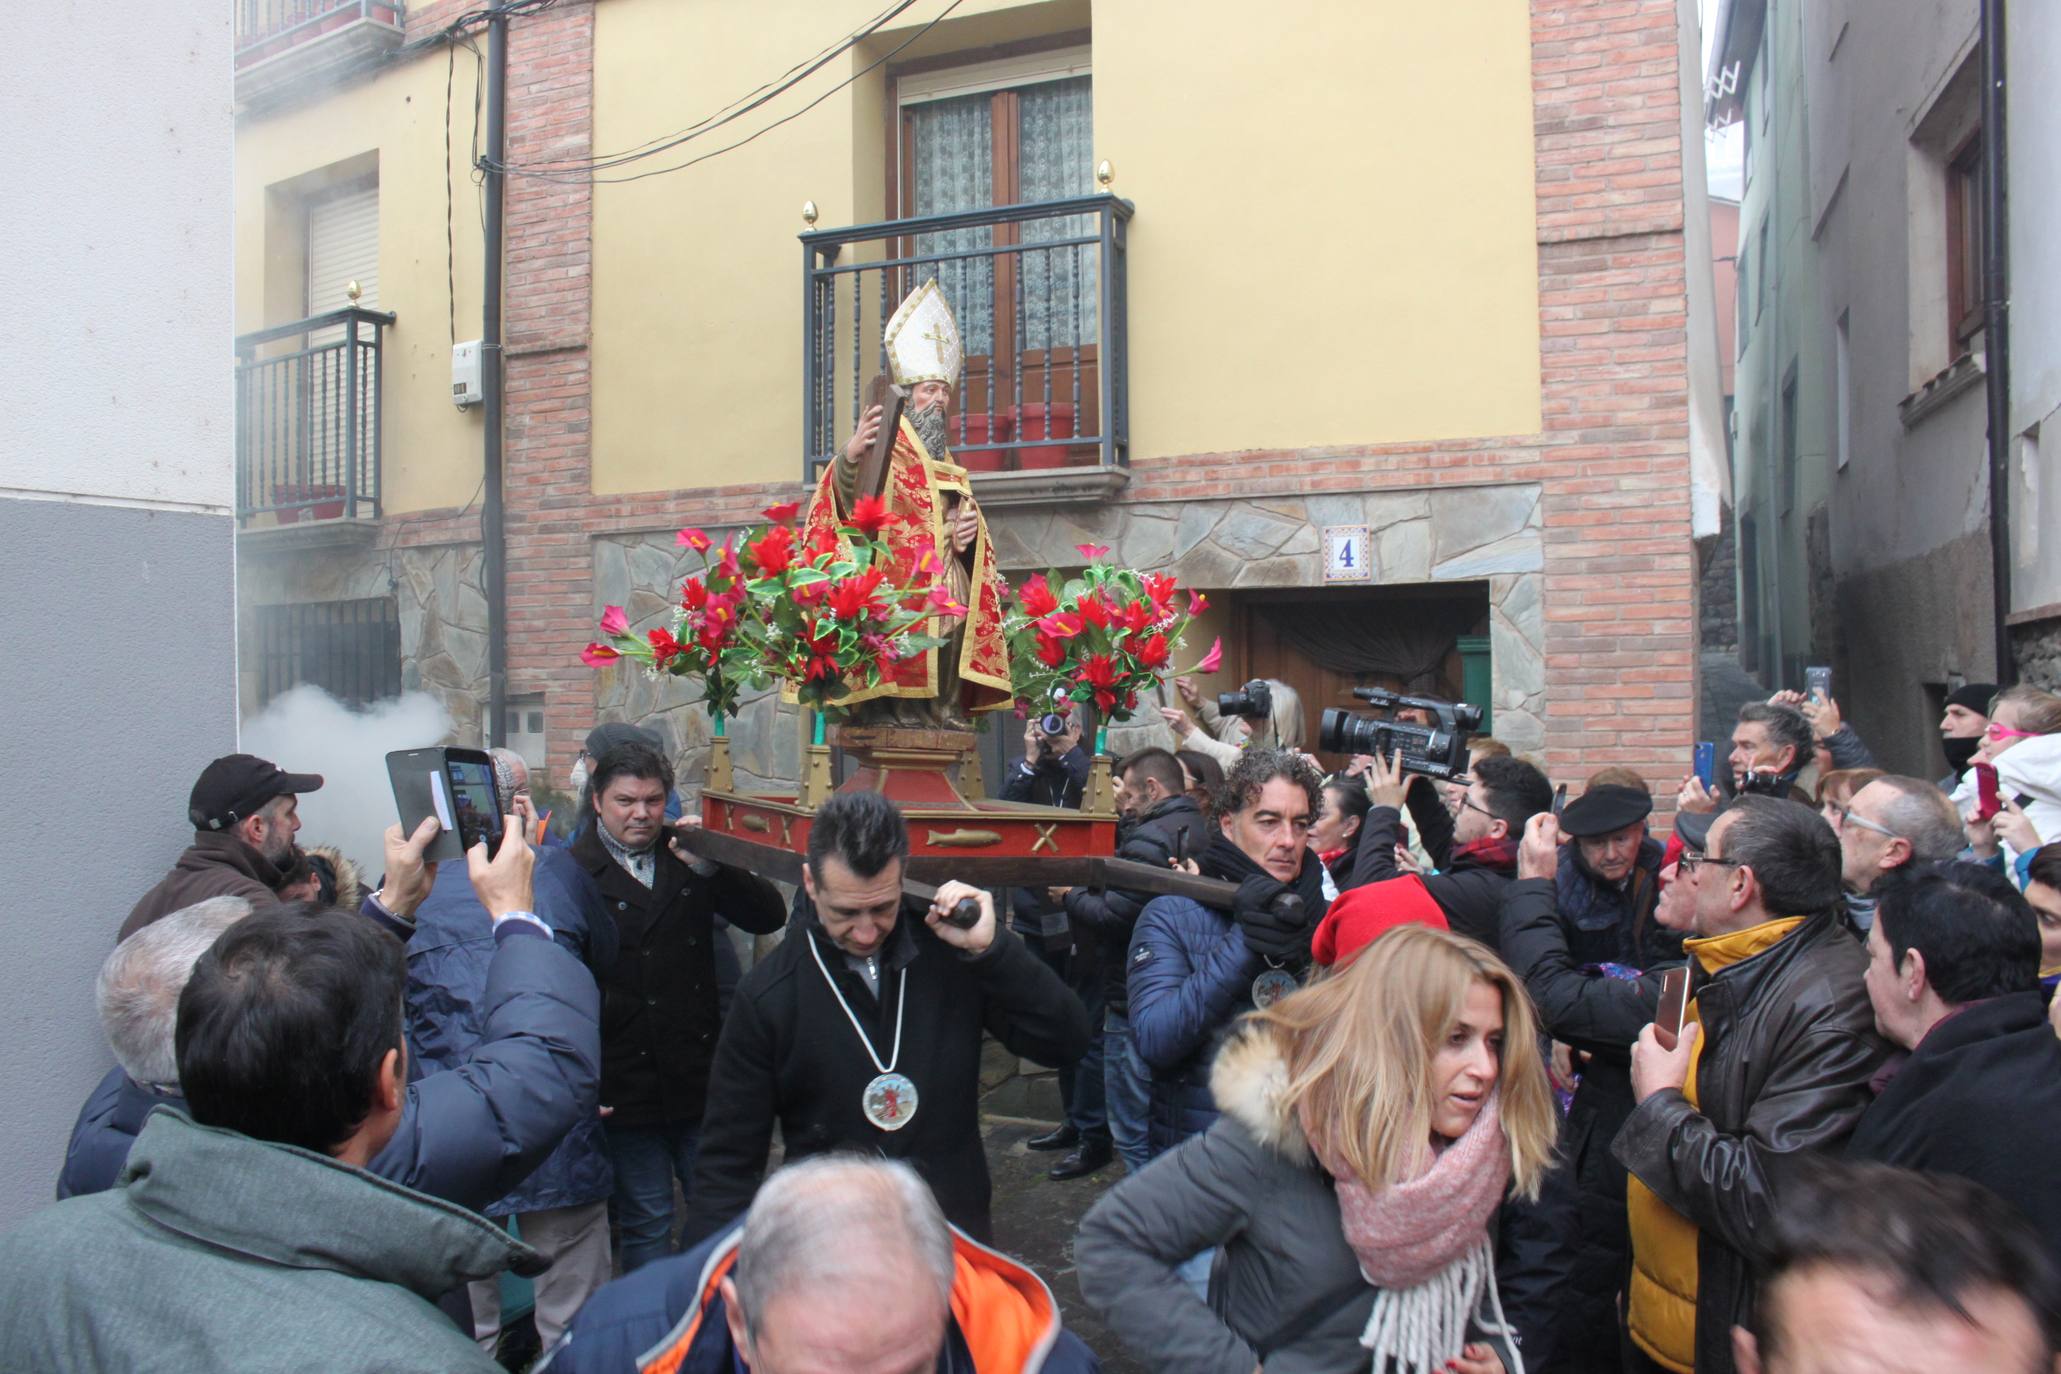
923,343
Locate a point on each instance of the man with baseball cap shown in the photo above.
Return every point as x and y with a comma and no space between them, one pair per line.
244,817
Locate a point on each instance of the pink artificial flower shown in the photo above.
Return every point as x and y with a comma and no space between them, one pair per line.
1094,553
692,539
614,621
783,512
598,655
1214,659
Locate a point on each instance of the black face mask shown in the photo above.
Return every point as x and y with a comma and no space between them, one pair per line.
1960,752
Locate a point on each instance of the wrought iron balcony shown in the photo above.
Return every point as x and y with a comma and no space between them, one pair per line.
284,47
1041,407
308,419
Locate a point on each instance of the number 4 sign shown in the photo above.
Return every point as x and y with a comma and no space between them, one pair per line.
1347,556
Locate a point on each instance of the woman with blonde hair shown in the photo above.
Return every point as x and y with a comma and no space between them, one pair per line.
1372,1125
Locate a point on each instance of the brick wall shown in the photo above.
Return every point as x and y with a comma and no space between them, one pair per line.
1620,568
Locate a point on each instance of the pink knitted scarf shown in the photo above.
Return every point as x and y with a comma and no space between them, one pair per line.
1407,1233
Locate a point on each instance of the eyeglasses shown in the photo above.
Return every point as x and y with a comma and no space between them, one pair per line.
1996,731
1848,817
1687,865
1468,802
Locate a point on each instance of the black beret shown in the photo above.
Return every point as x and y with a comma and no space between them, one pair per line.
1694,826
1601,810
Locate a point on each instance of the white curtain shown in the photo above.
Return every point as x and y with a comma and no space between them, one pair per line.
955,171
1058,161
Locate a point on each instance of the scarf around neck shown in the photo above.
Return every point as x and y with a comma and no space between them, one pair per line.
1227,862
1497,852
1424,1244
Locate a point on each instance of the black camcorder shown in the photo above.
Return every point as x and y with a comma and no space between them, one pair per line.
1254,701
1438,750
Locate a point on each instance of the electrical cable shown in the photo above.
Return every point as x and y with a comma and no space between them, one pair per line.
575,177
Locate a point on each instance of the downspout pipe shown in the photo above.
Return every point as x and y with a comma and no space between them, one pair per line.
1996,326
493,531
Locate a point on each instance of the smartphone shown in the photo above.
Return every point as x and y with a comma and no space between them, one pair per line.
1674,1007
1180,848
1559,799
1988,800
1817,682
454,785
1706,763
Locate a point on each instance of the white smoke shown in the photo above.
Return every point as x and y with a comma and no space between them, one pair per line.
307,730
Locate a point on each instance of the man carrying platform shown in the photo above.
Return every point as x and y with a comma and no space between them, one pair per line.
862,1031
932,498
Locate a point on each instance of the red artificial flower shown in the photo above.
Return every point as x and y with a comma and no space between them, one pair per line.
1153,653
664,648
1060,625
1138,617
783,512
773,552
822,665
1130,701
598,655
614,622
870,515
692,539
853,598
1096,611
1092,552
1051,652
693,594
726,561
1099,672
1160,587
1035,596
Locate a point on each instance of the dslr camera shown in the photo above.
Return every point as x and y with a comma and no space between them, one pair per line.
1254,701
1437,751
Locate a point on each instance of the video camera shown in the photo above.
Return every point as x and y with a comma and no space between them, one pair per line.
1436,751
1254,701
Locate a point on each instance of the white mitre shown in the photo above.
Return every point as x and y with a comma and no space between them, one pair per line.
923,339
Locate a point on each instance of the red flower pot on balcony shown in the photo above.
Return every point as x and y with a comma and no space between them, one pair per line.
1041,420
978,428
319,493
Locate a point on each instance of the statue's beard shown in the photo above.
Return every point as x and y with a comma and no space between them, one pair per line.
929,424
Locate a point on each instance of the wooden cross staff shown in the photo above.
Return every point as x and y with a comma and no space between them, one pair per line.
873,466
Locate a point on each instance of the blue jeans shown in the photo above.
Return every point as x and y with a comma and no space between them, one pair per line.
647,1159
1126,1091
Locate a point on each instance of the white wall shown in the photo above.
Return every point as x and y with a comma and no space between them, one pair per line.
116,219
116,534
2034,55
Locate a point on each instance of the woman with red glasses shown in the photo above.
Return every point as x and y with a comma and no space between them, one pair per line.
2018,713
2023,745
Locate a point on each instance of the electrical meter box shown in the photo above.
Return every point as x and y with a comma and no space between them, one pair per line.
465,374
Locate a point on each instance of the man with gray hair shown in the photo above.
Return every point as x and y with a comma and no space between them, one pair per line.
138,997
843,1263
1892,822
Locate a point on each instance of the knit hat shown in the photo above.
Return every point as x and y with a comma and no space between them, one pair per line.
1363,913
1973,696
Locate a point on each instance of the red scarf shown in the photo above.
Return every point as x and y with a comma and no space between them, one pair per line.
1499,853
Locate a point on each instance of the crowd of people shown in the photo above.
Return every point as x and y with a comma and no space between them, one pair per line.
1462,1075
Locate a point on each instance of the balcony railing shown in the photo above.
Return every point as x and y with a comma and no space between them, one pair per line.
284,48
1039,292
308,418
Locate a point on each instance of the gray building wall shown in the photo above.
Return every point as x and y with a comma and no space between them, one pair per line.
116,536
2035,498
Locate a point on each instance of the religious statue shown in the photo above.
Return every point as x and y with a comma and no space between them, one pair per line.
933,498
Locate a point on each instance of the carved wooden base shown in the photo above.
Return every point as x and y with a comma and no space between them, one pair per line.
910,767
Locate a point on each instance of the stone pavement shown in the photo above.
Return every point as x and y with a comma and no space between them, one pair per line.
1035,1220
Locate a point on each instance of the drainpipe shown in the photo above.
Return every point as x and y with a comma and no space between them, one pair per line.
1996,327
493,534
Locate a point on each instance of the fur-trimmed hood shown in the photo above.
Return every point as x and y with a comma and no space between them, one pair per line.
350,879
1249,1082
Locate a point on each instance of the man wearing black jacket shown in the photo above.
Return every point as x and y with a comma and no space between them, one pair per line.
1162,822
862,1031
1475,850
1953,975
659,1012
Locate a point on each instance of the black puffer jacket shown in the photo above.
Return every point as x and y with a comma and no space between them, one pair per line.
1108,915
1468,889
660,1010
1789,1049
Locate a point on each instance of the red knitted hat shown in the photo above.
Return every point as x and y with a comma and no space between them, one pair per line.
1360,915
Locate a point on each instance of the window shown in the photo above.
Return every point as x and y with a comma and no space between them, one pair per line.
1741,324
1964,245
1760,283
1842,362
524,730
350,649
1014,131
1785,455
